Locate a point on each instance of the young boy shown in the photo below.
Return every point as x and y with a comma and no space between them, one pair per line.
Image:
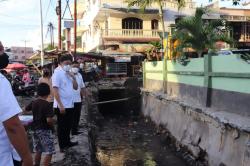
42,125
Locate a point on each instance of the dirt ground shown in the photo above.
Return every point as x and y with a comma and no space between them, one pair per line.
79,155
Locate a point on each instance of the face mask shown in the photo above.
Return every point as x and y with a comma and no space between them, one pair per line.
4,61
81,66
66,68
75,70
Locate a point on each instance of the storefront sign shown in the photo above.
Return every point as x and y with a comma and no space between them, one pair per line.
122,59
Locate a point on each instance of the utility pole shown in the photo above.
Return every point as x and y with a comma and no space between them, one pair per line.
75,25
59,14
42,46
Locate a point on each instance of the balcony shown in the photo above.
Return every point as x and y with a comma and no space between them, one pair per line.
136,35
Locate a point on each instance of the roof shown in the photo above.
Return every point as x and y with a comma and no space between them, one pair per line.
107,54
47,54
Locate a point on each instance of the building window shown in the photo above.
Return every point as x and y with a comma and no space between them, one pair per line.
16,57
22,51
154,24
132,23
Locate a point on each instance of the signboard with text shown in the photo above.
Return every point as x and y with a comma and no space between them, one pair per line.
122,59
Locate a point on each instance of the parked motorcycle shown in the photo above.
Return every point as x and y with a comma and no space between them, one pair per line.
20,89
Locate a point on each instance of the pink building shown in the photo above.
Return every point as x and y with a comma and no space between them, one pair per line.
20,54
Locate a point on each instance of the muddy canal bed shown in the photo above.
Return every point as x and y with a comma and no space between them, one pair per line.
132,141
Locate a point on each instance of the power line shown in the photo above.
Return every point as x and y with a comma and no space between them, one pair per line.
47,9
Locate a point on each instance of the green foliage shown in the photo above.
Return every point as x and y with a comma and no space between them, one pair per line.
156,45
199,34
63,38
50,47
153,51
143,4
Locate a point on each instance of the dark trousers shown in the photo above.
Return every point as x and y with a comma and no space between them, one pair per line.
76,117
64,126
17,163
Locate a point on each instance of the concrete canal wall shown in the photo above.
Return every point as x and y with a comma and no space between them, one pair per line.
204,105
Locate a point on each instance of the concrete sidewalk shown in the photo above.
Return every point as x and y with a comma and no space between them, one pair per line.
80,154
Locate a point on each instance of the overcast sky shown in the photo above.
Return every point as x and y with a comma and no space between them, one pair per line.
20,20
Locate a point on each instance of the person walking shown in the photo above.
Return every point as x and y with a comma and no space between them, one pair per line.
46,78
42,125
78,97
13,138
64,83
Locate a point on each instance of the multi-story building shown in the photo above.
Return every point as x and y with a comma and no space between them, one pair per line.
109,24
238,18
20,54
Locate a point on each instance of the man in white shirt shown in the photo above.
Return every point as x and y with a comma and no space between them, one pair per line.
12,134
64,83
78,96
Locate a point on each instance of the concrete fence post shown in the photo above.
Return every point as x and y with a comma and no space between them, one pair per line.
144,73
207,80
165,76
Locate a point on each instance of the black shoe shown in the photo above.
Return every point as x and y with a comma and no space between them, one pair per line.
63,150
76,133
72,144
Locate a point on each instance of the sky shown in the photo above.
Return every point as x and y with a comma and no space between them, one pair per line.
20,21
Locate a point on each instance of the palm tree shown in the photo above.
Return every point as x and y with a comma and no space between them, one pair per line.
153,51
198,33
143,4
51,32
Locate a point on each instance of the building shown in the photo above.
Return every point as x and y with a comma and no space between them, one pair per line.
20,54
238,19
110,25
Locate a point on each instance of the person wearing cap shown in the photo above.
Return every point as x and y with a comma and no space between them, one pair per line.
13,138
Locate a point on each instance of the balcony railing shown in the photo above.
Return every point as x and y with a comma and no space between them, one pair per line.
131,33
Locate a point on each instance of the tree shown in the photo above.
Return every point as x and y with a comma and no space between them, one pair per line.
153,52
51,32
143,4
198,33
49,47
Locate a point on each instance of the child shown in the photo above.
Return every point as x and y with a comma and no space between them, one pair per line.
42,125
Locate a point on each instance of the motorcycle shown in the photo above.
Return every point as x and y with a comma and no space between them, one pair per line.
20,89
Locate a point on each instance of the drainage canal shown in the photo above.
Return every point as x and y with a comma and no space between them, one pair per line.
122,137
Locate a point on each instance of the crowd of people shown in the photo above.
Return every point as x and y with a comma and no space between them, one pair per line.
60,94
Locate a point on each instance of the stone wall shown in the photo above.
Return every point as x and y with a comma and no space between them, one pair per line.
223,137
